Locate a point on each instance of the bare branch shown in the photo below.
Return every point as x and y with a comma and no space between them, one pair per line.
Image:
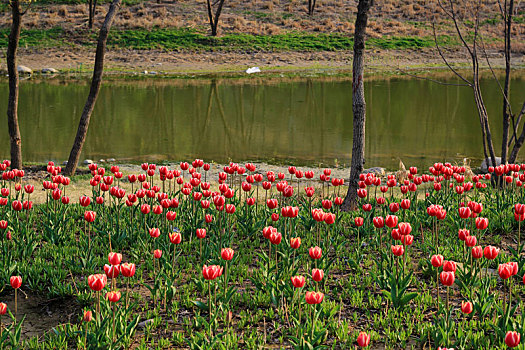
445,60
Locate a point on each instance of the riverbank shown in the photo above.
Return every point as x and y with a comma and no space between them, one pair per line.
130,62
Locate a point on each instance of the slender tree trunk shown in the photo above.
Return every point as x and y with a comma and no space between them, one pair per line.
96,82
506,87
12,103
214,19
358,105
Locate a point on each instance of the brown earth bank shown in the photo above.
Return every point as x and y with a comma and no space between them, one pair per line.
152,62
389,18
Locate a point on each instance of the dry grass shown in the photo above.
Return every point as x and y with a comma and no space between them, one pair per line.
388,17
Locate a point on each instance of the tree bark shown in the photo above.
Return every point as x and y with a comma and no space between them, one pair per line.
12,103
506,87
96,82
214,19
358,105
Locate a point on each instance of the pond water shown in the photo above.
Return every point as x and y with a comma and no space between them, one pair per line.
304,121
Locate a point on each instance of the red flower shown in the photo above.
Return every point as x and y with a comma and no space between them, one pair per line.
317,275
97,282
447,278
90,216
211,272
154,232
175,237
16,281
157,253
363,339
398,250
490,252
201,233
275,237
477,252
391,221
314,297
482,223
437,260
298,281
315,252
378,221
112,271
227,254
295,243
512,339
114,258
127,269
113,296
466,307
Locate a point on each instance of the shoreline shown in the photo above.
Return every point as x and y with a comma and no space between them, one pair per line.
205,65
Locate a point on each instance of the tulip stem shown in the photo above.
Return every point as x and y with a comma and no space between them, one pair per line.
437,286
209,302
16,303
85,336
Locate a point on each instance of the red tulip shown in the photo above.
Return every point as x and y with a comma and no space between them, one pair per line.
298,281
512,339
227,254
326,203
466,307
201,233
437,260
482,223
112,271
449,266
394,207
3,224
127,269
471,241
88,316
113,296
378,221
367,207
157,253
477,252
398,250
145,209
329,218
275,217
463,234
154,232
175,237
16,281
314,297
211,272
391,221
295,243
363,339
359,221
17,205
90,216
505,270
115,258
405,204
407,239
447,278
315,252
97,282
317,275
404,228
490,252
318,214
275,237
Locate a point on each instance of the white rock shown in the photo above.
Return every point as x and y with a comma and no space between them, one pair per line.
49,71
252,70
111,160
24,69
488,162
88,161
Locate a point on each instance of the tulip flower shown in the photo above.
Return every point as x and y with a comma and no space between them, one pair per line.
512,339
317,275
295,242
466,307
363,339
298,281
490,252
391,221
114,258
315,253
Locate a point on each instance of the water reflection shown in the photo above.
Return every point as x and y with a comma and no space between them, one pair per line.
305,121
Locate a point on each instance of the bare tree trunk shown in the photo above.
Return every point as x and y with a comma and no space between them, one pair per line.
96,82
358,105
506,86
92,12
214,19
12,103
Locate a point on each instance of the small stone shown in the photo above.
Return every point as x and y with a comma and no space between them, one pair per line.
101,160
65,162
375,170
111,160
49,71
488,162
24,69
143,324
88,161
